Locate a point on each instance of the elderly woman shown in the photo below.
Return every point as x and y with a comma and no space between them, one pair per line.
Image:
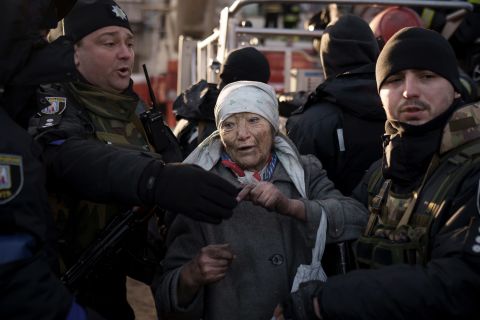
241,268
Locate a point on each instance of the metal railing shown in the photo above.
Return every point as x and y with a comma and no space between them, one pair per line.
213,49
238,4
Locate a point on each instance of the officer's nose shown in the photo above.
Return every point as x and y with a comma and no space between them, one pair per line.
411,87
125,52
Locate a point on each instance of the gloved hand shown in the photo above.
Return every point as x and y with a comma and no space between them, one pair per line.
299,306
189,190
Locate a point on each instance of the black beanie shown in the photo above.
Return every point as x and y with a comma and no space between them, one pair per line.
88,16
346,44
421,49
245,64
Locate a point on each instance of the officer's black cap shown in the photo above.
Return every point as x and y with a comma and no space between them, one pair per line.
88,16
421,49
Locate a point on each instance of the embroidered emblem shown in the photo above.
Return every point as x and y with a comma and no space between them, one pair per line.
57,105
119,12
5,180
11,177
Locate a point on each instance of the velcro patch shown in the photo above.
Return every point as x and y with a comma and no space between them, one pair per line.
11,177
50,120
472,243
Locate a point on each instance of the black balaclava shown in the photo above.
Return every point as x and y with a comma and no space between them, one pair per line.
408,149
346,44
245,64
88,16
421,49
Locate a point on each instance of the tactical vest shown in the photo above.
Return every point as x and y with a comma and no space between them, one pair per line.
113,120
399,225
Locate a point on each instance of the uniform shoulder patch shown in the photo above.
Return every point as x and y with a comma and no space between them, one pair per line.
56,105
11,177
51,109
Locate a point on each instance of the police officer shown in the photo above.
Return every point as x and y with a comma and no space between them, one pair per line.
29,288
420,252
98,158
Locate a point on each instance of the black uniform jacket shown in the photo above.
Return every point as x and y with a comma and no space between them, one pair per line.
83,165
448,286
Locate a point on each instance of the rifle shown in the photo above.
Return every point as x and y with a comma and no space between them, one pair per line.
106,245
158,134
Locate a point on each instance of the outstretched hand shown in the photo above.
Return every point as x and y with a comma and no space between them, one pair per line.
267,195
196,193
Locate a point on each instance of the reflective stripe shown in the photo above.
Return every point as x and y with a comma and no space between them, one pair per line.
76,312
16,247
466,85
427,17
478,198
341,141
57,142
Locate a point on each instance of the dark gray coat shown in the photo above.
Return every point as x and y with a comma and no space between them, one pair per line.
268,248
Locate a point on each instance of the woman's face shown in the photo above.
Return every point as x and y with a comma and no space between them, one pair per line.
248,139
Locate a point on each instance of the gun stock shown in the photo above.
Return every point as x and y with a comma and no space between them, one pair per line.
106,245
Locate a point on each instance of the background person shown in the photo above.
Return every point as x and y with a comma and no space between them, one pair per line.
342,121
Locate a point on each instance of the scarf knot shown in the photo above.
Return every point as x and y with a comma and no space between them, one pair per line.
246,176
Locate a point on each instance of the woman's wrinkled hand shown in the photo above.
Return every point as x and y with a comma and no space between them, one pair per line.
267,195
210,265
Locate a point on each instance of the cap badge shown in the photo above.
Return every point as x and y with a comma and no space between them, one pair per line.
119,12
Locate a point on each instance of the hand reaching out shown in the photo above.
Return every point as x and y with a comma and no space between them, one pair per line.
267,195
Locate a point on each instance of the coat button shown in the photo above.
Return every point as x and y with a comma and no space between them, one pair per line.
276,259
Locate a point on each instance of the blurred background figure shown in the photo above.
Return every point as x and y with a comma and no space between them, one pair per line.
387,22
392,19
342,121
